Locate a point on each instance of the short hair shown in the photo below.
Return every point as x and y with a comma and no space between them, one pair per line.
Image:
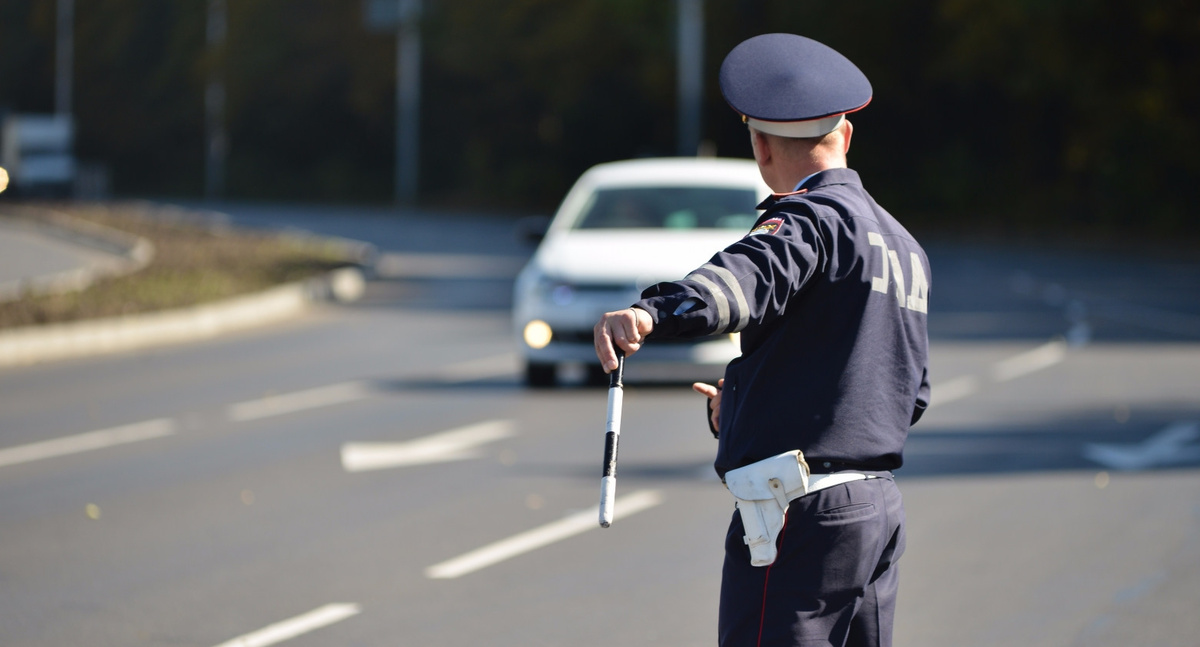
791,142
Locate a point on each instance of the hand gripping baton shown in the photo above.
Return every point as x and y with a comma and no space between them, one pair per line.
612,431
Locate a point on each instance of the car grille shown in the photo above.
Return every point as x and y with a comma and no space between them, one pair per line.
599,288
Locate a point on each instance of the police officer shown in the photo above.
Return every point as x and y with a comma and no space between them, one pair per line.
830,294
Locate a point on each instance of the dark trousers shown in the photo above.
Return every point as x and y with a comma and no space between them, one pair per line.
834,582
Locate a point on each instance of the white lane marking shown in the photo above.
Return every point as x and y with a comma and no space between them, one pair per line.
324,396
478,369
955,389
292,627
1043,356
964,386
278,405
1167,447
453,445
393,265
88,441
538,537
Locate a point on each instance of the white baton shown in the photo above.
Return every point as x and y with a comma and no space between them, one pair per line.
612,431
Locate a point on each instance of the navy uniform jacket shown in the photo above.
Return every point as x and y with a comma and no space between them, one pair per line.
830,294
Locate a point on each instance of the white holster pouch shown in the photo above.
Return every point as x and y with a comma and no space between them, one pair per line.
763,491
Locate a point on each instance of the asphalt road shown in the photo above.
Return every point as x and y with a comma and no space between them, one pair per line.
376,475
27,255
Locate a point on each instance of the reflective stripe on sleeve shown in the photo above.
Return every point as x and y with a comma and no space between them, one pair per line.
718,298
735,289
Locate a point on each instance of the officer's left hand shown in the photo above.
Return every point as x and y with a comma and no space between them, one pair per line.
713,393
625,329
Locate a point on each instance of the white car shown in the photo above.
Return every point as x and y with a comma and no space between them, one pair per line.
623,227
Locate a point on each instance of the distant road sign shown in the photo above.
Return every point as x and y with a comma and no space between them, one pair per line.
37,151
387,15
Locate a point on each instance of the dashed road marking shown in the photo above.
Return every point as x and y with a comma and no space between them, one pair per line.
955,389
538,537
393,265
1042,357
344,392
292,627
480,369
964,386
278,405
453,445
88,441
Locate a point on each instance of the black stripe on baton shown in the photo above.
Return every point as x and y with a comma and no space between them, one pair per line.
610,454
611,436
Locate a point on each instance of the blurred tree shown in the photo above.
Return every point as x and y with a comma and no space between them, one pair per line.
1088,107
1070,114
310,101
135,92
523,95
27,56
1031,114
138,92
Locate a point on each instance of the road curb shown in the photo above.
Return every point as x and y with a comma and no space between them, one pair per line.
37,344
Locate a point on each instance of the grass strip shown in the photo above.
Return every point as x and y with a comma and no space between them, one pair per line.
195,262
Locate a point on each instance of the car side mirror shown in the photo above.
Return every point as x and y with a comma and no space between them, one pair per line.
532,229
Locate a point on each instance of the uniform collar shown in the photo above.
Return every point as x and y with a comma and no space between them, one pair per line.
801,182
814,182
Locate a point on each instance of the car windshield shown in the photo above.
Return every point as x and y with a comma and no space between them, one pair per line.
670,208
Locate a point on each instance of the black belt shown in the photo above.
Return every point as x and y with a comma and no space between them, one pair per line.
824,466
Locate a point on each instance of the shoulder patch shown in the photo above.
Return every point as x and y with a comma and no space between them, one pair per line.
768,227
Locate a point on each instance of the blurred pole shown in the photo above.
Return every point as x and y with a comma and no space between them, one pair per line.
64,57
217,143
408,99
690,52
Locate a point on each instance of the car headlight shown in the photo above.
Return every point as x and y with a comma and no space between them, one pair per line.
537,334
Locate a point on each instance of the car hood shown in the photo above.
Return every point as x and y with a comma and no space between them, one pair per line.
630,256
